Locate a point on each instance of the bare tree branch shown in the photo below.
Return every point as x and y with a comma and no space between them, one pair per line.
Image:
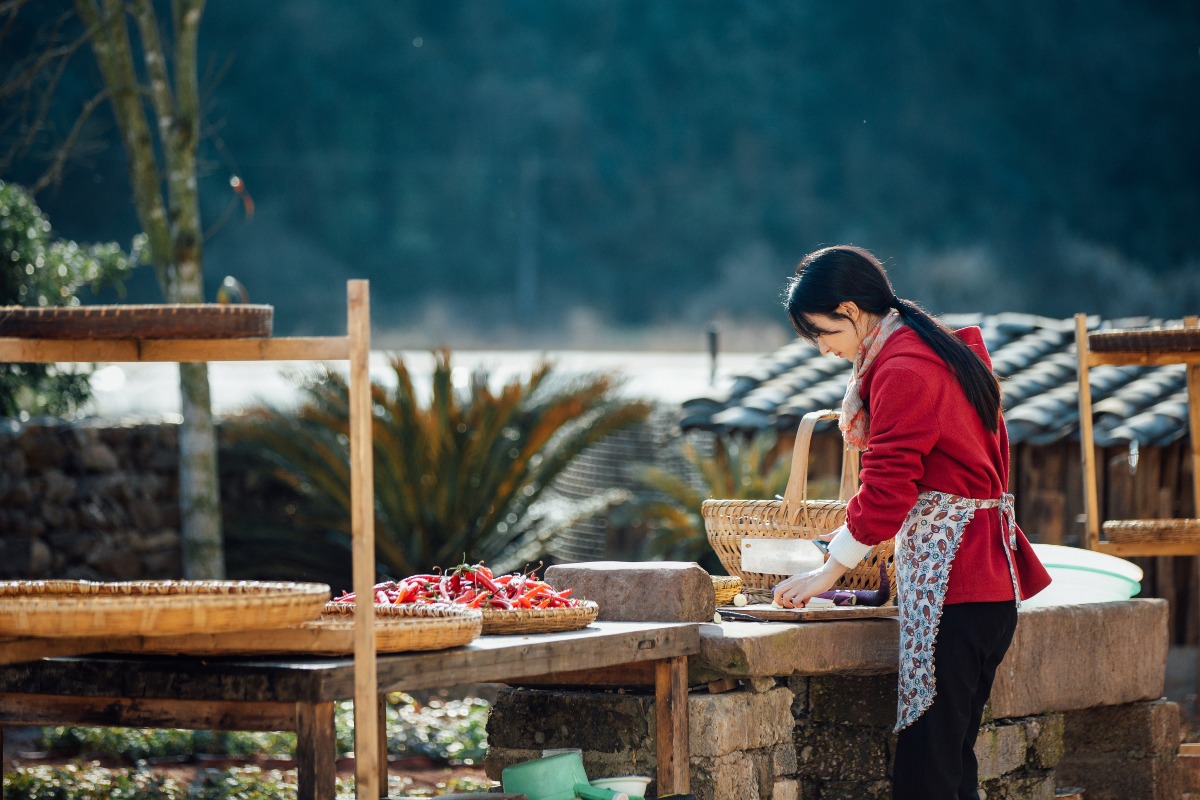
54,173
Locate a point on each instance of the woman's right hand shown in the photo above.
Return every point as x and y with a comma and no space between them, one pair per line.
796,591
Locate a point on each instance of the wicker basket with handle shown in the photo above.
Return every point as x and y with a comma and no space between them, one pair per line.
728,522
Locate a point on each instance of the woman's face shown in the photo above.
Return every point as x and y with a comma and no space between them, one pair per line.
842,335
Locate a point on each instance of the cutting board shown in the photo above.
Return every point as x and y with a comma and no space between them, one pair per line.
770,613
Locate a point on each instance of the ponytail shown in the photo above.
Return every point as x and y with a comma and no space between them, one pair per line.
978,382
828,277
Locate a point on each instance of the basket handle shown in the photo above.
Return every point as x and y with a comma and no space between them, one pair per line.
796,493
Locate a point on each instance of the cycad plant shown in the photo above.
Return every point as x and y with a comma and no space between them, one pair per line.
740,469
455,479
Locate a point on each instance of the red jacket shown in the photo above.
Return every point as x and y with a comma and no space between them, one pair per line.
926,436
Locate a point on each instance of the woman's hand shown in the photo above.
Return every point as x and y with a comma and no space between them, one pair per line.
796,590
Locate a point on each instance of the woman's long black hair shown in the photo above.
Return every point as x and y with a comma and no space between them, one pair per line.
831,276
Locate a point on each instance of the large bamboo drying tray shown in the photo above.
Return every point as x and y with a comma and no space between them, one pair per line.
61,608
398,629
539,620
170,321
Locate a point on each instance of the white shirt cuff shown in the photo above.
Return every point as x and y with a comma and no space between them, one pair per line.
846,549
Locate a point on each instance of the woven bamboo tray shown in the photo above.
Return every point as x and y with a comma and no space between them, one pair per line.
1141,531
728,522
1174,340
410,626
726,587
175,321
154,608
539,620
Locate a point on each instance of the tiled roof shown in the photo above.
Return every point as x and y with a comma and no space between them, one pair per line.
1034,356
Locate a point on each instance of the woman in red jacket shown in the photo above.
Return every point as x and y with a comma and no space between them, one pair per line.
924,406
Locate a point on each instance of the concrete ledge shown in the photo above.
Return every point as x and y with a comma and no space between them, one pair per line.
1062,658
1065,658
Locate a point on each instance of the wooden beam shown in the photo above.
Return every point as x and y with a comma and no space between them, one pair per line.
1127,549
332,348
127,712
1144,359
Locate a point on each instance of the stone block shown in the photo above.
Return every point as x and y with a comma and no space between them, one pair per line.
747,649
1106,776
783,758
657,591
799,687
1000,749
854,699
850,753
730,776
591,721
1031,785
1044,737
846,790
720,724
785,790
1079,656
1134,730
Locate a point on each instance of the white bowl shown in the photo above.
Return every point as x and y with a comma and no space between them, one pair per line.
1082,576
632,785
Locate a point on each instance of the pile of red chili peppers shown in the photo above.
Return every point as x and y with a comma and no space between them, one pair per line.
470,585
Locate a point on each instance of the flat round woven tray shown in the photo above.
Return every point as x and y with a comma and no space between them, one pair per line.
410,626
726,588
1139,339
174,321
539,620
154,608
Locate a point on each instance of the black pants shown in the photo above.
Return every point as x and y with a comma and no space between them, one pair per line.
935,756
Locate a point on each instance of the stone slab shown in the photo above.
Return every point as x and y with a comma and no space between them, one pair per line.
640,591
1062,658
1071,657
751,649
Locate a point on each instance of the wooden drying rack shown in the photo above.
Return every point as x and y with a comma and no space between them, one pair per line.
354,347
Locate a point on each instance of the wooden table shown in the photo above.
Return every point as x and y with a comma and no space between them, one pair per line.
298,694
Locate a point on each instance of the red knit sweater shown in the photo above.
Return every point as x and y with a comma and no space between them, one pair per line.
926,436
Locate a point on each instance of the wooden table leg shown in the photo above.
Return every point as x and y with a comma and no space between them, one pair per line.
383,748
316,752
671,703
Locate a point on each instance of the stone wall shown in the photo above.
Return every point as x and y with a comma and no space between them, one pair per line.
89,500
797,738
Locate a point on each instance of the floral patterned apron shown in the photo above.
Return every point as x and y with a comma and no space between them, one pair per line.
925,550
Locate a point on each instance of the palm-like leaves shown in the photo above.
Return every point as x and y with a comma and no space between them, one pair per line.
454,480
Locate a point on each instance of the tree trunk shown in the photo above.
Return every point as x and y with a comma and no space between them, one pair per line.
172,225
199,490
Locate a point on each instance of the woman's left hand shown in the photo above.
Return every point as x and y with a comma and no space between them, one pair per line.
796,590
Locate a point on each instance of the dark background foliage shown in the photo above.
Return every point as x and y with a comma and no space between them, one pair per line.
490,164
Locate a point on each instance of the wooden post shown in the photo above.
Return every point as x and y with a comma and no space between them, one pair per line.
383,746
1091,538
316,745
362,521
671,703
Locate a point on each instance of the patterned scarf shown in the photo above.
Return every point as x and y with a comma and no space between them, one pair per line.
855,422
